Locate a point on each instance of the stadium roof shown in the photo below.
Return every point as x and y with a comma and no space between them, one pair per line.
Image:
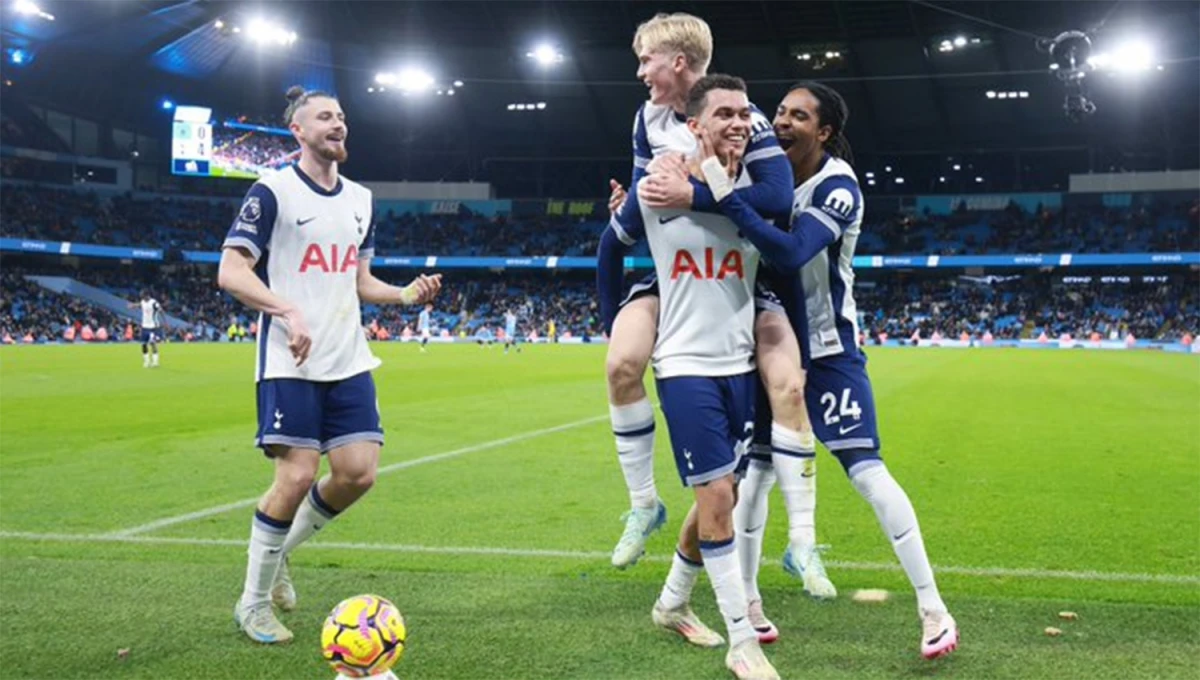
912,103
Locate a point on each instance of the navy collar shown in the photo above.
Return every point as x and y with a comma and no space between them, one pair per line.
317,188
681,117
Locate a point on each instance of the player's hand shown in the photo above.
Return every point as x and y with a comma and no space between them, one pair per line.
669,164
617,198
423,289
666,191
709,150
299,338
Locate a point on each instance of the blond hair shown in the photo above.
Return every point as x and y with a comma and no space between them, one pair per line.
677,32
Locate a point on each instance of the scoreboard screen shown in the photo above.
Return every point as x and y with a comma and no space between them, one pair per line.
202,146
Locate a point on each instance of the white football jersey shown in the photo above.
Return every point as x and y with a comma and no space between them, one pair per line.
833,197
150,310
706,272
308,242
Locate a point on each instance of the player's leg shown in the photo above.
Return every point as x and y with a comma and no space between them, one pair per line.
847,426
629,350
749,523
288,432
751,510
793,448
145,349
351,435
154,349
710,422
673,609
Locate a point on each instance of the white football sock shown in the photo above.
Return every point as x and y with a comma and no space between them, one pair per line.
677,591
633,426
266,540
750,520
725,574
899,521
794,458
154,359
314,513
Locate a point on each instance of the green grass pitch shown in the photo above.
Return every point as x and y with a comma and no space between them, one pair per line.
1044,481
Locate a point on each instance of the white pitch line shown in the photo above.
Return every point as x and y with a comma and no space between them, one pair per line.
247,502
984,572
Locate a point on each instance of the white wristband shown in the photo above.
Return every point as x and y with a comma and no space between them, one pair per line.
407,295
718,180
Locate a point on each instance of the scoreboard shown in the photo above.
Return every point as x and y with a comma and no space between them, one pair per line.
192,141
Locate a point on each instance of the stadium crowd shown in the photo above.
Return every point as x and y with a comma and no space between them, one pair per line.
154,220
1028,306
1007,307
1150,307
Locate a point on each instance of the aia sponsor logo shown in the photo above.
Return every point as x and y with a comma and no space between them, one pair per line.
708,268
329,259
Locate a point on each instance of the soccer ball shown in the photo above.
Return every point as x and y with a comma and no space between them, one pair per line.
363,636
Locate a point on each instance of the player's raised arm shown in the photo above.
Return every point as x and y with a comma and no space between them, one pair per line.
669,185
812,230
423,289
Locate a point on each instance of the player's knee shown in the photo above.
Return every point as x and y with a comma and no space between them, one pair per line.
787,391
295,480
624,371
855,461
359,479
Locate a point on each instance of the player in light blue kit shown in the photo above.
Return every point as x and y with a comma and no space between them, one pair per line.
826,220
510,331
425,325
300,253
703,361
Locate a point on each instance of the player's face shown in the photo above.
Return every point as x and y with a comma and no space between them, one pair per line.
662,72
726,118
797,124
320,125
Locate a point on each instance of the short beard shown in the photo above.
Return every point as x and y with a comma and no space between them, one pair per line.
333,155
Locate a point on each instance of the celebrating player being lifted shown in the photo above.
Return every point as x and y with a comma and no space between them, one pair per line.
673,53
300,253
824,228
703,359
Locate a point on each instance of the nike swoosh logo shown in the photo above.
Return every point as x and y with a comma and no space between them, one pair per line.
754,529
301,223
902,534
807,475
844,430
739,619
664,220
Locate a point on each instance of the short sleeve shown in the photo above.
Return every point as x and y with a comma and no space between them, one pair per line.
255,220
